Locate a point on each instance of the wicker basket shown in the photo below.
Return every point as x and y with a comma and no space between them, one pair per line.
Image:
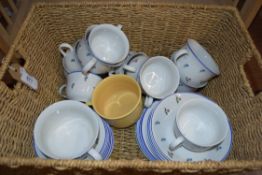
154,28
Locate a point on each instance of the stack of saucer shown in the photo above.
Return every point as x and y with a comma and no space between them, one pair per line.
158,139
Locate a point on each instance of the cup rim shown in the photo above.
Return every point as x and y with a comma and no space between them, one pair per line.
214,69
170,63
91,53
116,29
131,110
202,100
42,118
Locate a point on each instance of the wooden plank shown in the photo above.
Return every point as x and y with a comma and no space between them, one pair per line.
254,75
4,47
24,7
12,5
5,15
249,10
4,35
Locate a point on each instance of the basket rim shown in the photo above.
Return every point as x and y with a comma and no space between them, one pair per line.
140,165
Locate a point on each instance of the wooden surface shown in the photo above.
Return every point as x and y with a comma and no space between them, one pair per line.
254,75
19,12
255,30
249,11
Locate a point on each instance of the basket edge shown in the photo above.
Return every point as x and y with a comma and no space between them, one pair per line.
139,165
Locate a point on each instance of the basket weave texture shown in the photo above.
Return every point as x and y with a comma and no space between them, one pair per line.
156,28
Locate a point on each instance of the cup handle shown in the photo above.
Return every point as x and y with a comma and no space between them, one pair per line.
89,66
176,55
93,153
64,46
62,91
130,68
176,143
148,101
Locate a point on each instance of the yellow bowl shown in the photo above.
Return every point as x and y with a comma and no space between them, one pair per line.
118,100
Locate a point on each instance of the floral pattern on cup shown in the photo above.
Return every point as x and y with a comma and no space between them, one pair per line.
79,87
196,63
157,133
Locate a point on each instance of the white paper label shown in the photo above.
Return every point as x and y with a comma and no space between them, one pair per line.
28,79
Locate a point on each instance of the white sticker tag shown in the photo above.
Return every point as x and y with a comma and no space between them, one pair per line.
28,79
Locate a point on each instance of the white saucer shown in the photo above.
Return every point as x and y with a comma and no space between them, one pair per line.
145,128
98,147
162,131
109,145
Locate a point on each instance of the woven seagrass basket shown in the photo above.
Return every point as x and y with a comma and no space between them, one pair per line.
156,28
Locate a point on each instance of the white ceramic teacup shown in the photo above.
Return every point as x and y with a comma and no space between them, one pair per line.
136,62
85,57
70,60
124,67
182,87
200,124
108,46
79,86
67,130
159,78
196,66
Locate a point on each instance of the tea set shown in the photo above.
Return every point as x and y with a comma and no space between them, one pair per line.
107,85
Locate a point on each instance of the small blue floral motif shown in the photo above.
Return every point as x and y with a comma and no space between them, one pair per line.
188,79
202,70
163,139
72,85
86,77
167,111
135,60
218,148
73,60
178,99
189,159
170,154
157,123
88,54
186,65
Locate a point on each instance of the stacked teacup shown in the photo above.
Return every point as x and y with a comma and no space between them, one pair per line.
196,66
78,86
184,127
71,130
103,47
